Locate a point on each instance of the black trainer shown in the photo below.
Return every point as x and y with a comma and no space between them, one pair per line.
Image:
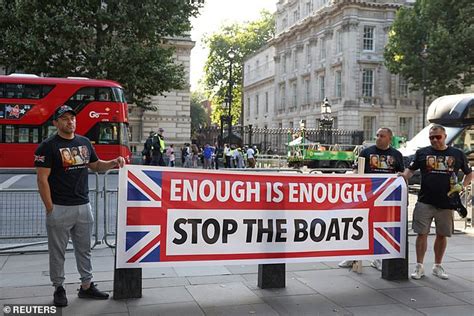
60,299
92,292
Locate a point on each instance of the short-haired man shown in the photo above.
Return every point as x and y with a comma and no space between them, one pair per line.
433,200
64,190
381,151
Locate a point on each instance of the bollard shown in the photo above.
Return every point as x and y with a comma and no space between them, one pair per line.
271,276
396,269
127,282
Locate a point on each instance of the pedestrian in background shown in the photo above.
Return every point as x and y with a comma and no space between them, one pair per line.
147,148
158,148
65,194
171,156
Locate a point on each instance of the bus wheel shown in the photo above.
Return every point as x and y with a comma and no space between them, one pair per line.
342,165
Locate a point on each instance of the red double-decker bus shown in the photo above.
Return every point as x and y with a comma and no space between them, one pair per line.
27,105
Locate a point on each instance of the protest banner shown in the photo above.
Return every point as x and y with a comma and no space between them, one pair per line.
187,217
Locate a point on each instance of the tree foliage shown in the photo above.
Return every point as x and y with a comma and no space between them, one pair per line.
123,40
199,117
243,39
446,29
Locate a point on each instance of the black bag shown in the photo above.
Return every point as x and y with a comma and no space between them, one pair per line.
456,204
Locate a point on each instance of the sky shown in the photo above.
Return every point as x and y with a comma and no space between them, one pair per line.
214,14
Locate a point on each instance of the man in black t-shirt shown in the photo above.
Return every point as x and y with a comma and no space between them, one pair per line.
382,159
439,166
64,189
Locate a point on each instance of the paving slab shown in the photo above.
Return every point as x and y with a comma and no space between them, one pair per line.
23,279
386,310
346,291
467,297
304,266
79,306
257,309
314,304
26,263
453,284
215,279
458,310
200,271
3,260
242,269
164,282
376,282
421,297
153,273
219,295
170,309
293,287
164,295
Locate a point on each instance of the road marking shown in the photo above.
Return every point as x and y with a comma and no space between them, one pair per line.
6,184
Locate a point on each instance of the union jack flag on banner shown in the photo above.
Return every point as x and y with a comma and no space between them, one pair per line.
187,217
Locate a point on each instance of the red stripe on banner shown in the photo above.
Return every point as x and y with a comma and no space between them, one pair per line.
145,216
143,186
144,250
385,214
244,256
388,237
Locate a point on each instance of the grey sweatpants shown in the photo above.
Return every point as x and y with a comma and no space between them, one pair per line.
64,222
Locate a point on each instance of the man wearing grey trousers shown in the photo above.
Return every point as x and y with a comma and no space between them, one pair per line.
63,185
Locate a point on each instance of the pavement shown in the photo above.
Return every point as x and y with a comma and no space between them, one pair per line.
319,288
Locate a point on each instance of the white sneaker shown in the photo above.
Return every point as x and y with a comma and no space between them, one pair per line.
346,264
438,271
419,272
377,264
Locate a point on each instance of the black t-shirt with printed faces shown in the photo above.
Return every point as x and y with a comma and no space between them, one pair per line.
382,161
68,160
437,168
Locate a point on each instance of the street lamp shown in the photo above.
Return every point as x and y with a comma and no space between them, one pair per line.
231,55
326,117
424,55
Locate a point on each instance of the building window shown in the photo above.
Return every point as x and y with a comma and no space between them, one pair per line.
308,54
257,67
266,102
406,127
369,38
283,64
295,60
339,42
294,94
248,107
307,95
369,127
256,104
368,83
282,96
296,16
322,90
402,88
338,86
266,62
308,7
322,47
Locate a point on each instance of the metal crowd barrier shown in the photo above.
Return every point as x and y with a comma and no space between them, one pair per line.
23,219
110,209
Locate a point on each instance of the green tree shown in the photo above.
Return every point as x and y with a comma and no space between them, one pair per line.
446,29
243,39
199,117
124,40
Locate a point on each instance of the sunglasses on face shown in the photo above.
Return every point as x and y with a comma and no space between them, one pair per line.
438,137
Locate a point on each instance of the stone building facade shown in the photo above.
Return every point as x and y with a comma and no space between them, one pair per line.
334,49
173,112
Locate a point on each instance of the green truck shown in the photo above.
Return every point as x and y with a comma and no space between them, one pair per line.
302,152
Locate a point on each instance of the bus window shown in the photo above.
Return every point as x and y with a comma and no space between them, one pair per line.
24,91
9,133
104,94
125,136
23,135
35,135
118,95
1,133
